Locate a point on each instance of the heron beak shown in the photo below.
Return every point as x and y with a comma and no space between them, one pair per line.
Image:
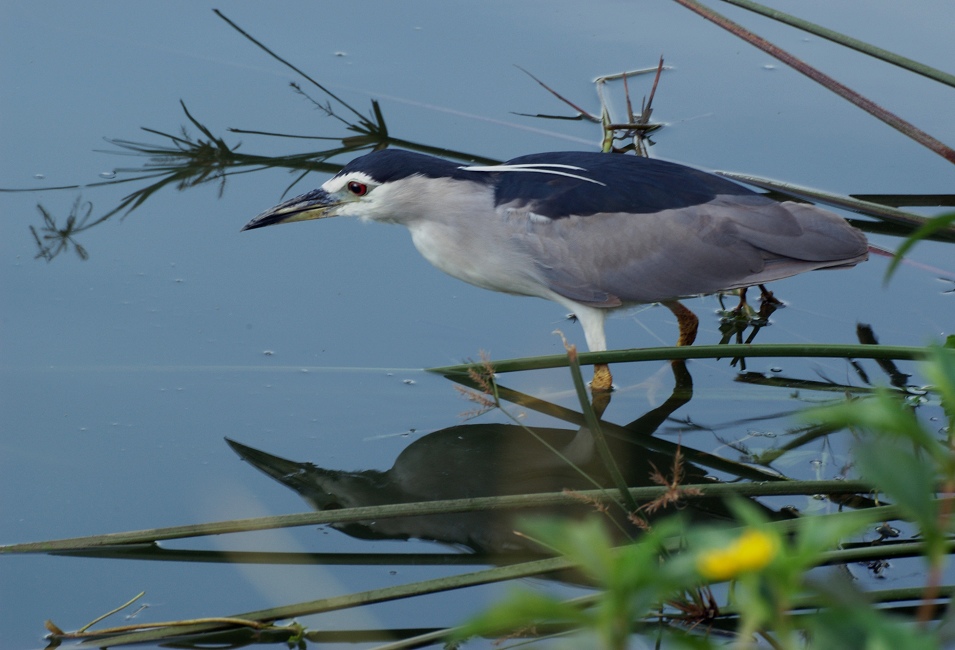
316,204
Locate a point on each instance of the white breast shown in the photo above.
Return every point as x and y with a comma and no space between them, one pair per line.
455,226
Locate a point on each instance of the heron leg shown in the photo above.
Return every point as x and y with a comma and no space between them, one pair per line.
743,316
743,306
743,311
592,320
687,321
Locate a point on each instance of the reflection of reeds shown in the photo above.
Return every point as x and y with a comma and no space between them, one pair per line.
51,239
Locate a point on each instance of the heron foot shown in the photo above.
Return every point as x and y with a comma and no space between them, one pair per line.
603,380
767,298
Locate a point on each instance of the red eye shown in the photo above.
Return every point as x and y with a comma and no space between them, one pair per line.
358,189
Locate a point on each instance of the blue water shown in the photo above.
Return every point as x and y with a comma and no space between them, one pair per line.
120,375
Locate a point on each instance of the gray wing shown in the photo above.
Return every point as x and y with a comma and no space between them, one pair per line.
608,259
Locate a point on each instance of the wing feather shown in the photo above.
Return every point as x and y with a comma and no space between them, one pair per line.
608,259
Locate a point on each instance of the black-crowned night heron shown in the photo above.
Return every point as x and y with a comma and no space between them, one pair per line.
590,231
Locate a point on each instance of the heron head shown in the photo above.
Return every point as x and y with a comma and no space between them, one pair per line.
345,194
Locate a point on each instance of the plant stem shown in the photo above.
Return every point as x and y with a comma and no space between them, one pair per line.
419,509
700,352
825,80
848,41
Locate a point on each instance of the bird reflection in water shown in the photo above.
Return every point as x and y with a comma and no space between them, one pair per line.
481,460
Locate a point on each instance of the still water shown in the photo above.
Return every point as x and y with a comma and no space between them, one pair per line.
121,374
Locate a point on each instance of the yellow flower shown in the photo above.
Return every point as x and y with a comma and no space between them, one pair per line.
752,551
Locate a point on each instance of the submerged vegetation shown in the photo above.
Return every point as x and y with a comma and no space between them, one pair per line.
669,553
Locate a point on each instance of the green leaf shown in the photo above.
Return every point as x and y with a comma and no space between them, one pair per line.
585,543
930,227
907,478
940,370
866,627
884,412
522,609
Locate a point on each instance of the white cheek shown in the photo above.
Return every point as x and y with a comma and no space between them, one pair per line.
363,210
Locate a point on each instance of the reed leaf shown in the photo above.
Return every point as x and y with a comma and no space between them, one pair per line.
345,515
810,350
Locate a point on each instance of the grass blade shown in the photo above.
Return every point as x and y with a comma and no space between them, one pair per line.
848,41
